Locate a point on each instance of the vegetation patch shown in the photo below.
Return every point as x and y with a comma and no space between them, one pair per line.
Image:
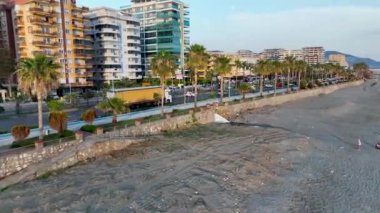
65,136
88,128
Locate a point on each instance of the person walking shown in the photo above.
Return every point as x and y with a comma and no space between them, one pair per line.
359,143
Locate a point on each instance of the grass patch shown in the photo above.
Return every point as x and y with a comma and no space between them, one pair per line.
88,128
65,136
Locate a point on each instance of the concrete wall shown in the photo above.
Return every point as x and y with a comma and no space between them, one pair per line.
230,111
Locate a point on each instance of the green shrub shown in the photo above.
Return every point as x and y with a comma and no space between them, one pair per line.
2,109
66,135
20,132
88,116
55,106
88,128
303,84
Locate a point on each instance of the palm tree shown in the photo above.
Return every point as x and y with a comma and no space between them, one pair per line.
238,65
37,76
277,68
262,68
244,88
361,69
197,60
114,105
290,64
223,67
301,67
164,66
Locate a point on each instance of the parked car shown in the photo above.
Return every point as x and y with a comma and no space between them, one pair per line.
189,94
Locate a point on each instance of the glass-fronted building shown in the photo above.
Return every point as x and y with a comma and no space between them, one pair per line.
164,26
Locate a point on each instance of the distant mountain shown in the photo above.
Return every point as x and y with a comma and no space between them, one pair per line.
354,59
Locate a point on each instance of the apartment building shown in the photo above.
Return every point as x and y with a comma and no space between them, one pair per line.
339,59
164,26
117,45
55,28
297,54
6,27
314,55
272,54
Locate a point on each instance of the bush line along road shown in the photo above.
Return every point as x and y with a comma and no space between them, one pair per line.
6,139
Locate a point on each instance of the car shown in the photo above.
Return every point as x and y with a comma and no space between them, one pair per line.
189,94
268,86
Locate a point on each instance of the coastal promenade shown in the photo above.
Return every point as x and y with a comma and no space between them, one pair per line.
296,157
6,139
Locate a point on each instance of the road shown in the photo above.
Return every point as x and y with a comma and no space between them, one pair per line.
6,139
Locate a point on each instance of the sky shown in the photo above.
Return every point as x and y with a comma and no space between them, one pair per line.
349,26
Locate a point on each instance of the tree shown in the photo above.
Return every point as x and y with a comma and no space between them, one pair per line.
361,70
114,105
72,98
87,95
89,116
238,66
244,88
164,66
223,67
197,60
157,98
262,68
301,67
290,64
57,118
55,106
20,132
37,76
58,121
277,68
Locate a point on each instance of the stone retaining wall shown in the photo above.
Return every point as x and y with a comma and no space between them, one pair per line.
171,124
33,163
11,164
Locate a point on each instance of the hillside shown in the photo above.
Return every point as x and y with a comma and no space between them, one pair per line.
354,59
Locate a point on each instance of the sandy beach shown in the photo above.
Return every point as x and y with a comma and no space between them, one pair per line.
299,157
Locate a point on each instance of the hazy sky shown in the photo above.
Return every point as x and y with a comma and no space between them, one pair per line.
350,26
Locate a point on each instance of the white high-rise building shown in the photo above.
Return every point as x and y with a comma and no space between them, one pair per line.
165,26
117,45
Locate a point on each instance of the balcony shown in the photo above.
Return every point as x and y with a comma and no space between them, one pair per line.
51,54
83,66
45,44
50,2
77,17
20,23
44,34
78,26
38,21
83,55
78,36
42,12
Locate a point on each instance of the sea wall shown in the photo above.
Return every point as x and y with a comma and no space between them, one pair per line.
231,110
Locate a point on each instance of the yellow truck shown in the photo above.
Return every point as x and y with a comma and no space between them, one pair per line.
140,96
